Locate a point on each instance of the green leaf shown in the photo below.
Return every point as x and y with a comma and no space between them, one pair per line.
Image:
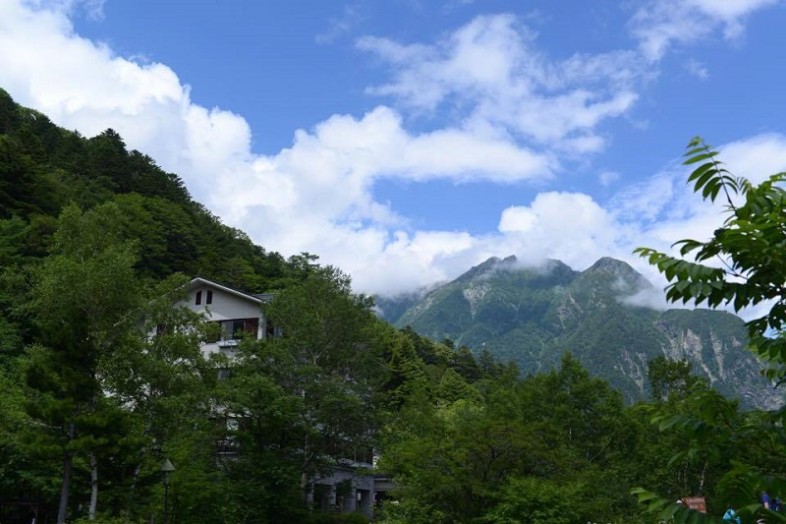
699,158
704,168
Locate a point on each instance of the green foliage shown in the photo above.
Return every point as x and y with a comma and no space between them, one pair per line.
748,268
43,168
80,293
406,370
530,499
96,393
100,519
24,188
338,518
89,235
669,379
84,300
462,458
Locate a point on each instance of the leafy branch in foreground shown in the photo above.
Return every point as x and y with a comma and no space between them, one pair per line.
749,249
743,264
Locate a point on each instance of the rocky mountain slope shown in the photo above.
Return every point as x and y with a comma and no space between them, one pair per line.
601,315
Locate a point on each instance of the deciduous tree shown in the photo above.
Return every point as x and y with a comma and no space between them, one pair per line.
742,264
84,300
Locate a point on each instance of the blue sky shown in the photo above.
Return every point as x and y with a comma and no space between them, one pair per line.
407,140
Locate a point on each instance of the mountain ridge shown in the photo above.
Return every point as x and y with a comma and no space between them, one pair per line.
533,315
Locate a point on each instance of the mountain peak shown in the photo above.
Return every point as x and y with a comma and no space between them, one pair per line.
548,269
616,275
609,263
488,266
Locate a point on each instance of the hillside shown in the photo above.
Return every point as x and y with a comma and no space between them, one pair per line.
44,167
532,316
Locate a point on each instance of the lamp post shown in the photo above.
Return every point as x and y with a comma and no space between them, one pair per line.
166,469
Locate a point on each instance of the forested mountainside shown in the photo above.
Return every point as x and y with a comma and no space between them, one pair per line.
91,404
44,167
532,316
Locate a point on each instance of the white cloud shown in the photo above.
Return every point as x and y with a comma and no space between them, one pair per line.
670,211
340,25
413,261
83,85
731,12
666,208
571,227
649,200
577,230
661,23
607,178
93,8
756,157
317,195
697,69
652,298
492,75
344,156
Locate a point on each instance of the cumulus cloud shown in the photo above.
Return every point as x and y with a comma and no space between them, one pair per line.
318,192
570,227
756,157
93,8
519,111
576,229
492,72
659,24
83,85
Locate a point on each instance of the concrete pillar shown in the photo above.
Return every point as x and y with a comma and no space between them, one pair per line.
366,502
310,496
330,498
350,502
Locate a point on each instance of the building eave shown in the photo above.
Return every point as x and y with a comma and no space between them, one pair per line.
205,282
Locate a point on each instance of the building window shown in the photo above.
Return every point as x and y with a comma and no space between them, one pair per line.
237,329
209,298
272,331
198,297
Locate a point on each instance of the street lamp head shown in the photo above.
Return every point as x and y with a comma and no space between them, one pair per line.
167,466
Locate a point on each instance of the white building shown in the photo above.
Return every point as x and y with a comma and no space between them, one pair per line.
238,314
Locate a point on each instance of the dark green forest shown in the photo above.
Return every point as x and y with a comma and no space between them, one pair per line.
96,245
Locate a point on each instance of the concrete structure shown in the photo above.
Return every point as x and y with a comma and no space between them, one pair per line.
350,487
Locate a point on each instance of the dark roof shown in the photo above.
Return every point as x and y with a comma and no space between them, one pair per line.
254,297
